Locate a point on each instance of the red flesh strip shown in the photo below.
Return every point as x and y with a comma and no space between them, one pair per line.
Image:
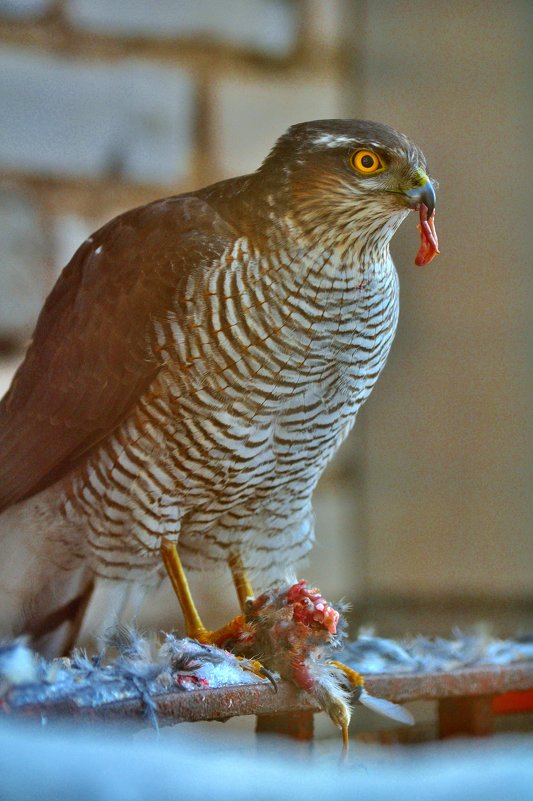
310,607
429,244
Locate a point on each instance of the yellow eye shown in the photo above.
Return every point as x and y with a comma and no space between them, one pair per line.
366,162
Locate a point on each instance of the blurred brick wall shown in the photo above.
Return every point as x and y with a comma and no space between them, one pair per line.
110,103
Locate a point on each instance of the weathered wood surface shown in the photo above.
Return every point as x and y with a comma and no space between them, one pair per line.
260,699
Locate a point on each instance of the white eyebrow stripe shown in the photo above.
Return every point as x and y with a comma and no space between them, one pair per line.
333,140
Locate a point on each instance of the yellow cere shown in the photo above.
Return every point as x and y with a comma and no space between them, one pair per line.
422,177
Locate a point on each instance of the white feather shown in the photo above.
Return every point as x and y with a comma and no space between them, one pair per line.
386,708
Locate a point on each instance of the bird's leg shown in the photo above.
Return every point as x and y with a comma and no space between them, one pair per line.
233,631
380,705
193,622
357,683
245,595
240,580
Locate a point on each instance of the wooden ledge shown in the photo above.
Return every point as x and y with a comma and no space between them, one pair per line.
260,699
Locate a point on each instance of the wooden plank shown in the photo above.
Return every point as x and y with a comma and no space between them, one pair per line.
466,716
260,699
511,703
296,725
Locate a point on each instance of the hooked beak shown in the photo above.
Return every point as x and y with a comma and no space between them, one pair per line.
424,193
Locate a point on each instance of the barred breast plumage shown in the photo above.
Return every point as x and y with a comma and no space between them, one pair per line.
202,358
231,450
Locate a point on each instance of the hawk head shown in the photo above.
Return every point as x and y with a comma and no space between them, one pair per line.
351,182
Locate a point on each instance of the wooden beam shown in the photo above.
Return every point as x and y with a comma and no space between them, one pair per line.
260,699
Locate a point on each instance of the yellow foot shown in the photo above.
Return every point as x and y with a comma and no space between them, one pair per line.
193,622
234,631
231,631
380,705
354,678
255,667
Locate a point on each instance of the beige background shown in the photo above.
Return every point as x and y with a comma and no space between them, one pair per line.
447,446
424,519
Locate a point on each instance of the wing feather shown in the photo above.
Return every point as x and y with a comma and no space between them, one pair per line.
89,360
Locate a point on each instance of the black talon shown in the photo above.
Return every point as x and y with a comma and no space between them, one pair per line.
356,693
268,675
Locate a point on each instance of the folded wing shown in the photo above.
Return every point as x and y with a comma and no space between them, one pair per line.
89,360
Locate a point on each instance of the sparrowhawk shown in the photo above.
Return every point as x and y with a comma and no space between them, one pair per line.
194,369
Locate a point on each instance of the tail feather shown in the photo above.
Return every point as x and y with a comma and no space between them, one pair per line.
48,590
57,633
44,591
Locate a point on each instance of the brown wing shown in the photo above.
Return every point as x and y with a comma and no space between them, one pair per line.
89,360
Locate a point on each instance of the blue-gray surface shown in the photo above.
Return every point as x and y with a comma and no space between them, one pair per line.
48,764
144,666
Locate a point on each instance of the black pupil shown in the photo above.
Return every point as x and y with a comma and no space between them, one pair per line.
367,161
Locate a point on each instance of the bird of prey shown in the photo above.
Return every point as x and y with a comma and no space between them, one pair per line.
194,369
